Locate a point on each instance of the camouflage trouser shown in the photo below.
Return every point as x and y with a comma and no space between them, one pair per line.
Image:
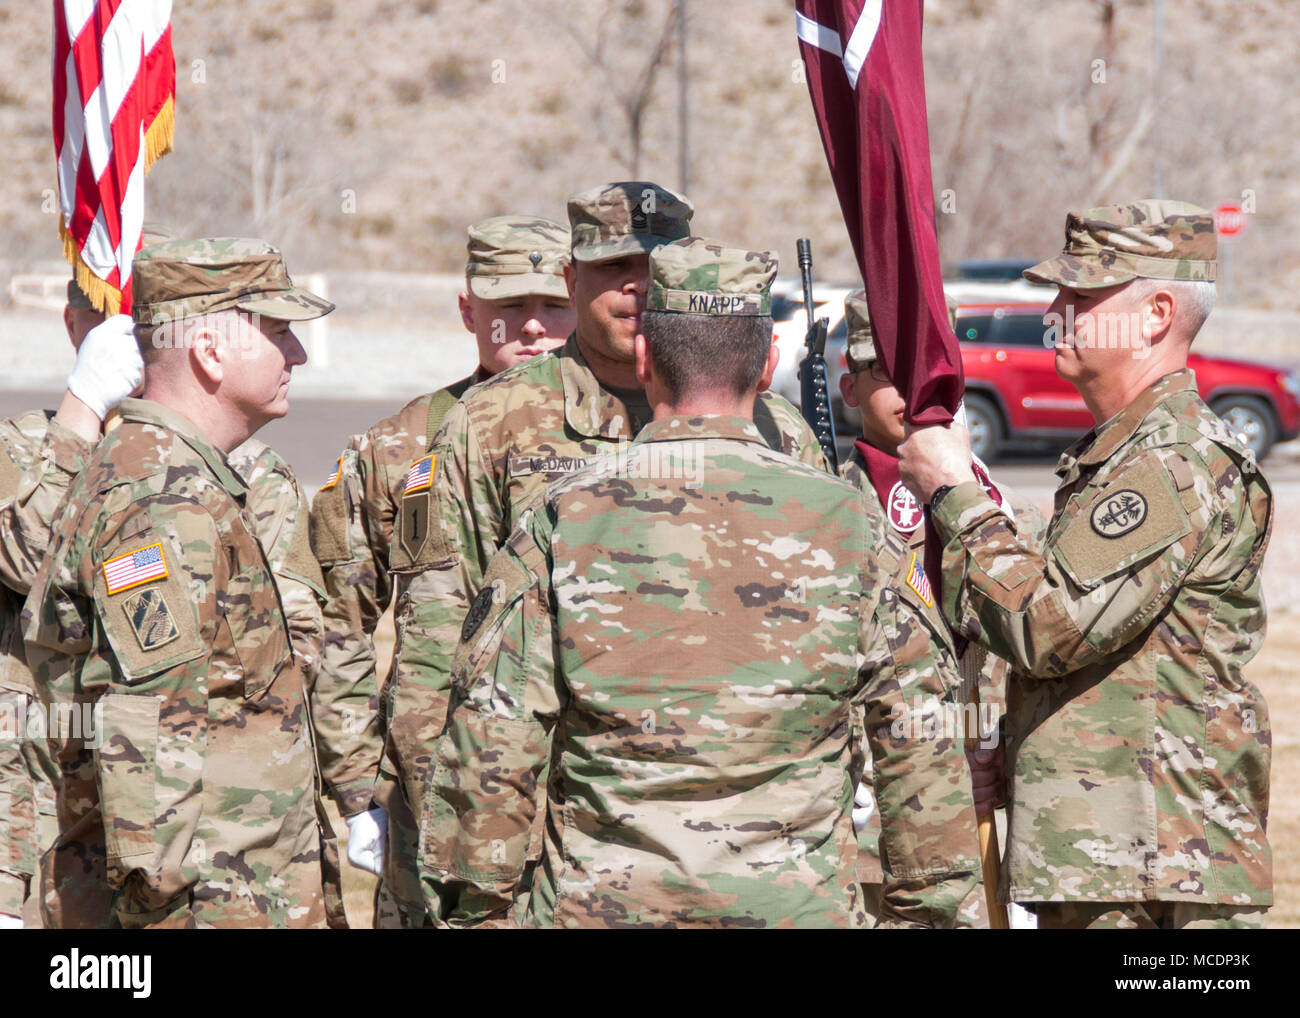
1146,915
399,905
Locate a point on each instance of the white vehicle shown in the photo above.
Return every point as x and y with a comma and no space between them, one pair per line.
790,328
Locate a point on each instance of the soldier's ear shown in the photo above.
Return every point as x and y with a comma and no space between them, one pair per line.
769,369
644,366
207,354
848,390
570,281
466,310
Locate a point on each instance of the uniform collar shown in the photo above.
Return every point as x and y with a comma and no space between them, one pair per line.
589,409
688,427
146,411
1099,444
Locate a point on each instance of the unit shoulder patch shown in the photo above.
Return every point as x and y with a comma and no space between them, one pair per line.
1119,514
150,619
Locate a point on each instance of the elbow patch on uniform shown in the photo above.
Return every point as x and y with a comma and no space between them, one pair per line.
1135,516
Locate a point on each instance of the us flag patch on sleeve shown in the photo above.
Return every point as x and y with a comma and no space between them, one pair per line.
420,476
135,567
333,478
918,581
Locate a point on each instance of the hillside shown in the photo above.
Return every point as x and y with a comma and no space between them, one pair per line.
365,134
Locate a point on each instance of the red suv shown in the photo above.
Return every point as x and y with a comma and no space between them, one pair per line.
1013,391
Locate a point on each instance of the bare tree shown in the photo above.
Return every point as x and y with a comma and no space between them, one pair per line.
619,37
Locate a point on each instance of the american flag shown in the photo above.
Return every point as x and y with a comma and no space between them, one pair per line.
114,101
918,581
135,567
333,478
420,476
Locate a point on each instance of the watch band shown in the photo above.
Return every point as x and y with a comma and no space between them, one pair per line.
939,492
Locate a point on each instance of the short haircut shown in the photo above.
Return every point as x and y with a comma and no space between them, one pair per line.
1193,300
155,340
707,353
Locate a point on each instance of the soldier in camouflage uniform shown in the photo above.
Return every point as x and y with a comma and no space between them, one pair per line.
680,629
1138,753
511,436
194,802
40,453
873,468
516,304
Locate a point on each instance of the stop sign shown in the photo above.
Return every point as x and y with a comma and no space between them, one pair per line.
1228,220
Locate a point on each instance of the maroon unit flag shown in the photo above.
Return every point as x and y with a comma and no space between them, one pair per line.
863,64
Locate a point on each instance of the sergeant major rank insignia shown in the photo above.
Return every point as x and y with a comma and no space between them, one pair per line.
415,522
1118,514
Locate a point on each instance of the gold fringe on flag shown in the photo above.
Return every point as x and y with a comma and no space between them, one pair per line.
103,296
158,139
157,143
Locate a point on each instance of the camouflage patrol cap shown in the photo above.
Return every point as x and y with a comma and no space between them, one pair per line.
181,278
707,277
513,256
1152,238
153,233
860,349
630,217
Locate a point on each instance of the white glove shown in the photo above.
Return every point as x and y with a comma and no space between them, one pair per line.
864,804
108,366
10,922
367,833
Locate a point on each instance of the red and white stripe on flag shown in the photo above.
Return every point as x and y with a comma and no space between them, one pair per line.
114,103
865,76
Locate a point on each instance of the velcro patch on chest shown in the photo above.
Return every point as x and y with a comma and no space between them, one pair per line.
1134,517
150,619
137,567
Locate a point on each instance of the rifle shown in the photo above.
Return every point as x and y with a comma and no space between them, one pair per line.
814,389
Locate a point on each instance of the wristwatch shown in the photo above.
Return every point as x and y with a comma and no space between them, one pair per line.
939,492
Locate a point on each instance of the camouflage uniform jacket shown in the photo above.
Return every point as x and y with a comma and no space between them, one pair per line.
1139,753
498,449
194,805
681,632
352,536
38,459
275,509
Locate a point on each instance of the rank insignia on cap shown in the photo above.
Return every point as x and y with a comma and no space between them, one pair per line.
420,476
918,581
333,478
149,617
135,567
